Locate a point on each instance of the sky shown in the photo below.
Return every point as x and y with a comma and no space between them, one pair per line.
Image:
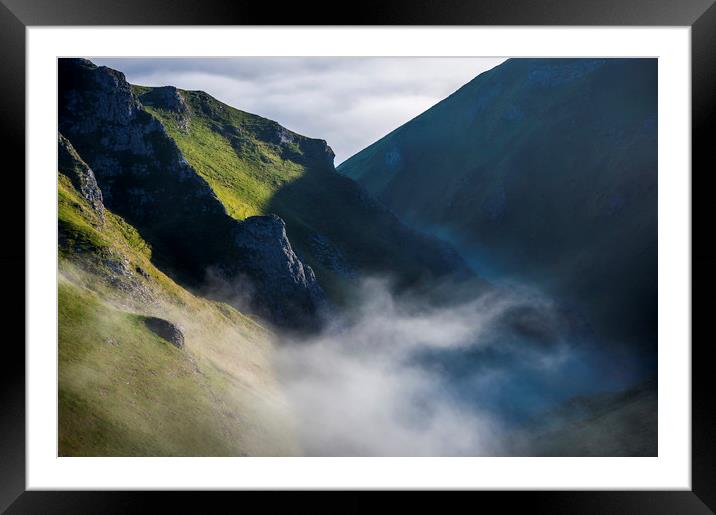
348,101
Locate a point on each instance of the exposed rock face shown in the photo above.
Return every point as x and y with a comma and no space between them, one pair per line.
166,97
297,148
304,150
85,90
286,288
81,175
170,99
144,177
118,272
166,330
129,151
319,150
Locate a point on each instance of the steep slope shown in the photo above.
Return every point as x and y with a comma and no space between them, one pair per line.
144,178
185,169
255,167
543,170
126,389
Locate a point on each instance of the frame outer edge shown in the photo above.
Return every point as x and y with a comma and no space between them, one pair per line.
386,12
703,113
12,131
12,257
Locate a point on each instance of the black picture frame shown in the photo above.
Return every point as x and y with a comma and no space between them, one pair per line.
17,15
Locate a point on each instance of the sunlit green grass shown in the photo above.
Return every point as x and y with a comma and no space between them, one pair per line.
244,183
123,391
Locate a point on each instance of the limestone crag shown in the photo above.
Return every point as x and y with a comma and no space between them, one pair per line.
81,175
287,287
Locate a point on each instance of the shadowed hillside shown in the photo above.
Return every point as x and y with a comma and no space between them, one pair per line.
545,171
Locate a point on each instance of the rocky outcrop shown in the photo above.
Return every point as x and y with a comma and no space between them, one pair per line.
295,147
81,175
97,97
284,287
165,330
306,151
144,177
119,273
134,160
169,99
318,150
165,97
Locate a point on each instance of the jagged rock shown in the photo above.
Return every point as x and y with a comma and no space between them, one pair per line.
166,330
81,175
85,92
128,149
170,99
118,272
311,151
294,147
318,150
287,288
119,266
165,97
284,135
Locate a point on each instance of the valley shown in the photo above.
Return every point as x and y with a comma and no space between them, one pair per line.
224,290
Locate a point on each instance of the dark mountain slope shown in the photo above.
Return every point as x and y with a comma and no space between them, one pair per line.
609,424
543,170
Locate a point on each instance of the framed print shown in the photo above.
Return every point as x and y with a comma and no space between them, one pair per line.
446,248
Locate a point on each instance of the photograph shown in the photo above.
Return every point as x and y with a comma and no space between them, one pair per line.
357,256
424,252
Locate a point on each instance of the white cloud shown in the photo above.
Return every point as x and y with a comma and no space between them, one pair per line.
350,102
382,379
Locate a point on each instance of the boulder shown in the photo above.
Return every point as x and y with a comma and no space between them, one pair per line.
165,330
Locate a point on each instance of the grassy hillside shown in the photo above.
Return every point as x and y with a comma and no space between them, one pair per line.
124,391
544,170
255,166
243,183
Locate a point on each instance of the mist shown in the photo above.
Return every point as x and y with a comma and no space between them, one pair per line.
402,377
